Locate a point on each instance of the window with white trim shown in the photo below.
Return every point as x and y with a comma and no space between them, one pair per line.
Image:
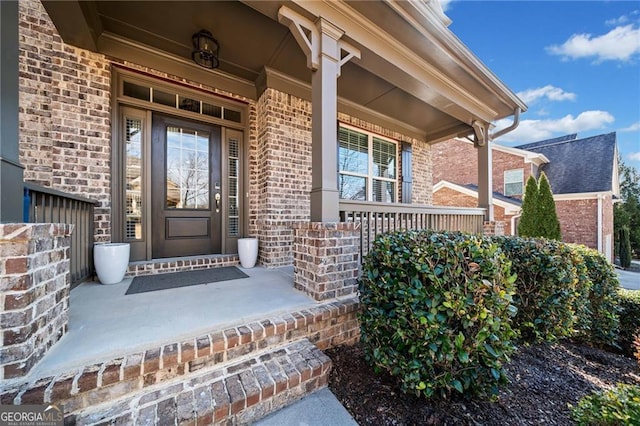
513,182
367,166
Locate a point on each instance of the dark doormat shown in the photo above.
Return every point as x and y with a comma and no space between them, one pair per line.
155,282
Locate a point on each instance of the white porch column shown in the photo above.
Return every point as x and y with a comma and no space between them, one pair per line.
321,43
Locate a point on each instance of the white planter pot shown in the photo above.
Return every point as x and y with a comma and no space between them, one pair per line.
248,252
111,261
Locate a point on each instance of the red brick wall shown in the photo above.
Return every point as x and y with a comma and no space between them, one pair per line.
456,161
579,221
449,197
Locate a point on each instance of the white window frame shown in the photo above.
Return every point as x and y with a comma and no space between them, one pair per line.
521,181
369,177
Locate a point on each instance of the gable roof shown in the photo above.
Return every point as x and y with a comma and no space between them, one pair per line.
559,139
511,205
498,195
579,165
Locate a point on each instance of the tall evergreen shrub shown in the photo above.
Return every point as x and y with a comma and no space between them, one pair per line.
549,226
625,248
528,220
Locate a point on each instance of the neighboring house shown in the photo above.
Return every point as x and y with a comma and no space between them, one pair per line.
180,144
583,174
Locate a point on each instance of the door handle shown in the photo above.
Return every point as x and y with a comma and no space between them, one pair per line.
217,197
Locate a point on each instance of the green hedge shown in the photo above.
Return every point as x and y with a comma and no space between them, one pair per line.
618,406
436,311
629,311
547,294
599,321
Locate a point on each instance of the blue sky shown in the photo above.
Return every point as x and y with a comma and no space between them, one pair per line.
576,64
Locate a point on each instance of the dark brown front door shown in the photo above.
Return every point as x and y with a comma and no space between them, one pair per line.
185,187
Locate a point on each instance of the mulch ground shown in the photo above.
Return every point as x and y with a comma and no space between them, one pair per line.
544,380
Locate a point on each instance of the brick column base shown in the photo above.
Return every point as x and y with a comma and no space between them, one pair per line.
326,258
34,293
493,228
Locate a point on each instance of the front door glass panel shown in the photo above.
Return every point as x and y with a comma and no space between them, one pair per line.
134,201
187,173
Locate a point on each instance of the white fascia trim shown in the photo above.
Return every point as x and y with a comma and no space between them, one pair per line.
582,196
437,31
373,38
509,208
529,157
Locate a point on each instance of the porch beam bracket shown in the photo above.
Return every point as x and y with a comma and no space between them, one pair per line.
308,34
480,133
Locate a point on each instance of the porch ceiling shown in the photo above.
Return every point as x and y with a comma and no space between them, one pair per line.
251,38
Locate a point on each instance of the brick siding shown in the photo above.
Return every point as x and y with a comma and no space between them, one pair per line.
579,221
34,293
449,197
65,136
327,259
457,162
65,114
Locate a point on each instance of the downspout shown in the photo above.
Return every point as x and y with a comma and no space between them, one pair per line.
513,224
516,122
599,223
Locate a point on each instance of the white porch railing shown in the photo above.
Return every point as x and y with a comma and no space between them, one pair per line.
376,218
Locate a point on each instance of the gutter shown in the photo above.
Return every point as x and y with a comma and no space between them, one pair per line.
516,122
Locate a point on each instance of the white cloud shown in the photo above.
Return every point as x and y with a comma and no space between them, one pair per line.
633,128
634,156
617,21
550,92
619,44
536,130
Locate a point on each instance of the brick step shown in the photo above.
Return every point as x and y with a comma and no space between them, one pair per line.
325,325
187,263
236,393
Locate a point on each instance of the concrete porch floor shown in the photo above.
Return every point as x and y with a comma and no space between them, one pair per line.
104,322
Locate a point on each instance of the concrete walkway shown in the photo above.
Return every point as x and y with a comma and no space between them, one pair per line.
321,408
629,280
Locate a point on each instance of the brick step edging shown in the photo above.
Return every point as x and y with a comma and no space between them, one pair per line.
240,392
326,325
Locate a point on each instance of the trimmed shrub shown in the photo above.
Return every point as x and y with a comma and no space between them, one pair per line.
598,321
629,305
436,310
547,283
624,248
617,406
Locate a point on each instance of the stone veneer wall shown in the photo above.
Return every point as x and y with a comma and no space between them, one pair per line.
34,293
